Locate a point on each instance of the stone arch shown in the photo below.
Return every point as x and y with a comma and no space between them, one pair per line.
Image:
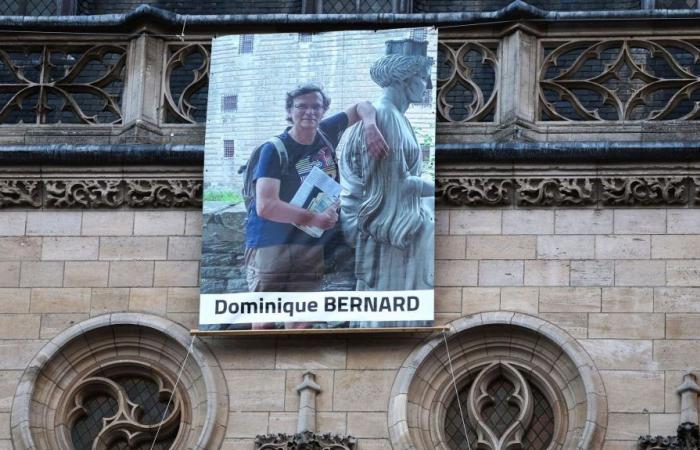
149,343
423,386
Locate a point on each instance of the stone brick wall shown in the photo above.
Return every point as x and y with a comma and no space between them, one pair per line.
624,282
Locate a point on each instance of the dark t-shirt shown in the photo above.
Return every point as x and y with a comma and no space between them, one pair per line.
261,232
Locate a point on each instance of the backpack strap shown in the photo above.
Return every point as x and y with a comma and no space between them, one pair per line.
281,152
328,144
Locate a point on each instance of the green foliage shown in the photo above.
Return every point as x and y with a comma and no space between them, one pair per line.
211,195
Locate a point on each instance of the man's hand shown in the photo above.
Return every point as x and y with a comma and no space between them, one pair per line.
376,145
327,219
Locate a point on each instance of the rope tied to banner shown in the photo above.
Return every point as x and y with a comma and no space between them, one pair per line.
454,383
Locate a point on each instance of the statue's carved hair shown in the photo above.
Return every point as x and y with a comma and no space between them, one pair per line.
395,68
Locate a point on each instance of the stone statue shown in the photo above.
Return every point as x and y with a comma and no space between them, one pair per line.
387,209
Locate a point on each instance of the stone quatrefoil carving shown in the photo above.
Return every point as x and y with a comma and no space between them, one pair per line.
53,84
467,81
620,80
107,412
186,75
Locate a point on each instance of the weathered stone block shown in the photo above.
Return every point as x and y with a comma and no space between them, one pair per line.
311,354
678,300
108,223
159,223
19,326
626,325
20,248
176,273
246,424
126,248
640,273
475,221
12,223
682,326
60,300
70,248
367,425
450,247
442,221
52,324
592,273
245,352
54,223
14,300
583,299
622,247
520,299
448,300
109,300
547,273
683,273
629,427
185,247
86,274
15,355
153,300
620,354
41,274
640,221
131,273
256,390
529,221
619,299
565,247
624,387
360,390
378,352
456,273
9,273
677,354
480,299
584,221
683,221
193,223
576,324
183,300
500,273
675,247
501,247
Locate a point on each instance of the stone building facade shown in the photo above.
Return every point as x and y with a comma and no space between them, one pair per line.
567,247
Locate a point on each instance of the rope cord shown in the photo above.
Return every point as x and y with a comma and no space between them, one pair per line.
454,383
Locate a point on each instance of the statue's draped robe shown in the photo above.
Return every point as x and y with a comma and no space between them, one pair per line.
394,247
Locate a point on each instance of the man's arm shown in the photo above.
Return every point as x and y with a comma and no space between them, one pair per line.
269,206
364,111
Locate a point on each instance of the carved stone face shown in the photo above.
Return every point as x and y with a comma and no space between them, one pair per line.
307,110
416,86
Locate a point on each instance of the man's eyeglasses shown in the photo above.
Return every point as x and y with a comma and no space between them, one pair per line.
316,109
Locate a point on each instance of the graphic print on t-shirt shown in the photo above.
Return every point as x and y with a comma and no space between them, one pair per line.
323,159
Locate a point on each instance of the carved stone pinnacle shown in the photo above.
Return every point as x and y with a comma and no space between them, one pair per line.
307,389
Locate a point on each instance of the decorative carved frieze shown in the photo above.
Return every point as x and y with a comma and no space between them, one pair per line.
304,441
644,191
465,191
83,193
101,193
20,193
687,438
568,191
554,191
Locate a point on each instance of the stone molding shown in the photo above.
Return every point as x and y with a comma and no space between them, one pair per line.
128,337
568,190
305,440
423,384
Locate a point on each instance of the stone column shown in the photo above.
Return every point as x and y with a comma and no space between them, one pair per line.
143,89
517,96
306,419
689,390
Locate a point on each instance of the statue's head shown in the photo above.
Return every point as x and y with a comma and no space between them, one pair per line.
406,67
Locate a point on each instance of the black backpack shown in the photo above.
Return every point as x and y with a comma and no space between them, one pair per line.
248,183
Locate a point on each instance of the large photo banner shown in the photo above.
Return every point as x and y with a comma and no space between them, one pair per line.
319,181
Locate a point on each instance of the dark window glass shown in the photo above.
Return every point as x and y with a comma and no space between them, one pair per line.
229,149
246,43
229,103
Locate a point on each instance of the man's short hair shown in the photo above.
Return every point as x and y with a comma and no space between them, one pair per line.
307,89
